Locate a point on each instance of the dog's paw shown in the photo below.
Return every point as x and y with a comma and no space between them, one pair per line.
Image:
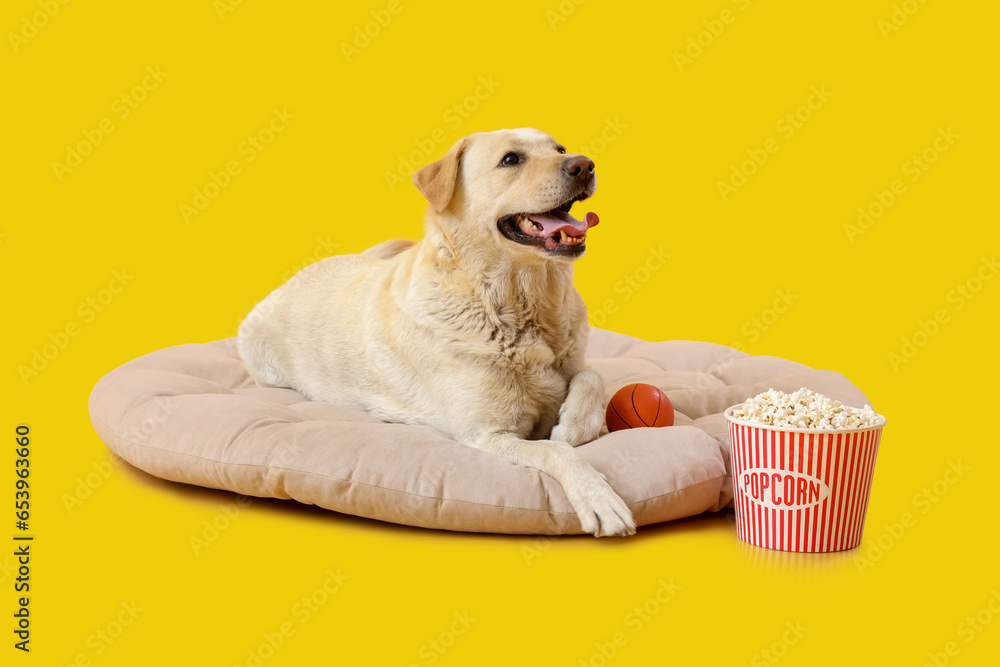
602,512
579,428
581,415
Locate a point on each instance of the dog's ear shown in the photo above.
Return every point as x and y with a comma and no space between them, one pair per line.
436,181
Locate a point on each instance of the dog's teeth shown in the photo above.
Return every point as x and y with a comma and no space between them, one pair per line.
566,239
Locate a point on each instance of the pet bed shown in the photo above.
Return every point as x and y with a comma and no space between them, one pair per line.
192,414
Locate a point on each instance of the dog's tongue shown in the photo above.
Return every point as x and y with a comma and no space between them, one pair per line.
555,222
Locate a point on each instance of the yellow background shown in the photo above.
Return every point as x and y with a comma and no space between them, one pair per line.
574,69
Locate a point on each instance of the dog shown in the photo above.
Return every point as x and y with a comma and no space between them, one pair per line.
476,330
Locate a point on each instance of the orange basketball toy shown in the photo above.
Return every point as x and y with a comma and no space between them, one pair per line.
639,405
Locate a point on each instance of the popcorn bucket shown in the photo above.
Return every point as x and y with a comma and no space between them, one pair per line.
801,489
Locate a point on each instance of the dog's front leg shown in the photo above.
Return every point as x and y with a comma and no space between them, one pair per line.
582,413
602,513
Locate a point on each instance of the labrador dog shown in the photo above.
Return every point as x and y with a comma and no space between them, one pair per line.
476,329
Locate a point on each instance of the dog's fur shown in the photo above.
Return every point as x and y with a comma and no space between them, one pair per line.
466,330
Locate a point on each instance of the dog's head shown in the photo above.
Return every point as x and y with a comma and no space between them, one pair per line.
511,190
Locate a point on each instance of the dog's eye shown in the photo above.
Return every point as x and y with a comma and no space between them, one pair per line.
510,159
561,150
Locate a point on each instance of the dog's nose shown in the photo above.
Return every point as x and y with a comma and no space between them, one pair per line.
578,165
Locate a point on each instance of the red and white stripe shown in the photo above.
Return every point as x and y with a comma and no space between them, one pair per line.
843,461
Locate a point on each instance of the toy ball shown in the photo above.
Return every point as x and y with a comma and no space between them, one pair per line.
639,405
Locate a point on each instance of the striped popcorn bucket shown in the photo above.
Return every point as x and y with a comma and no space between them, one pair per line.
801,489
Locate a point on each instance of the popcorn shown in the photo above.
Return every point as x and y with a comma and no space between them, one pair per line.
804,409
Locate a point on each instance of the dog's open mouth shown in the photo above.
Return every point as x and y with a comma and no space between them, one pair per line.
557,231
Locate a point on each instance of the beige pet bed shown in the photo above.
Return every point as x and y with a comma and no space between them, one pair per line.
192,414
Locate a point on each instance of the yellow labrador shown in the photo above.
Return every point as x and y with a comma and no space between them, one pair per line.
476,329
